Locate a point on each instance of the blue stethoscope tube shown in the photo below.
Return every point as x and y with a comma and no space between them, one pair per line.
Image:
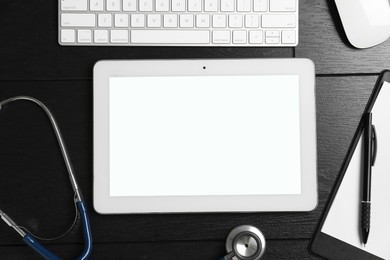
40,249
34,244
86,231
29,239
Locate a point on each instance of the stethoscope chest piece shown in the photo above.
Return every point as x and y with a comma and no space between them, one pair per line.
245,243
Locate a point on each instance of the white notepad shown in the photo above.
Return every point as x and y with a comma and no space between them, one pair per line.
343,219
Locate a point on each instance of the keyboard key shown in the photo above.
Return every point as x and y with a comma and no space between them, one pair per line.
243,5
227,5
211,5
84,36
221,37
288,37
202,20
129,5
278,20
252,21
169,37
77,20
282,5
113,5
121,20
68,35
170,20
104,20
255,37
178,5
154,20
260,5
272,40
235,20
162,5
119,36
219,21
137,20
100,36
74,5
239,37
96,5
146,5
270,33
186,20
194,5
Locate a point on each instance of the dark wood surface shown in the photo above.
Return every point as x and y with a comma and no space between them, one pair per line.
323,40
34,188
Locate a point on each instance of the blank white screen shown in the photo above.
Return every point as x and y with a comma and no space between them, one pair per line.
204,135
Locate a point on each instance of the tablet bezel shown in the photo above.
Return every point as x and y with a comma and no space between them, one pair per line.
321,242
106,204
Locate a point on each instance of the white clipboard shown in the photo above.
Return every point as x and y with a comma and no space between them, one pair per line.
338,233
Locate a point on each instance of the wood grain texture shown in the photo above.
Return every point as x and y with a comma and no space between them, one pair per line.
35,191
30,49
34,187
204,250
322,39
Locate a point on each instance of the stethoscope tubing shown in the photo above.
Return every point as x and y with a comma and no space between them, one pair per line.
86,231
34,244
45,253
28,238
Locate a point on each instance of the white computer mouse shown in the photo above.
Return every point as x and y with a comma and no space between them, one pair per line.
366,22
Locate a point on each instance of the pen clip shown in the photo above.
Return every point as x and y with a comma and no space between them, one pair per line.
374,146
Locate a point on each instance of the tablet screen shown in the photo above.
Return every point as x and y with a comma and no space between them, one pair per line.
204,135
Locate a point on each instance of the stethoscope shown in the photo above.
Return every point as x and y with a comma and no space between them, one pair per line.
244,243
30,239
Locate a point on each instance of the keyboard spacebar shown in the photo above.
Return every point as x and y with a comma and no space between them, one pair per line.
169,36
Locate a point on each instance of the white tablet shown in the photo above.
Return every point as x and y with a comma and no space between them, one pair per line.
204,136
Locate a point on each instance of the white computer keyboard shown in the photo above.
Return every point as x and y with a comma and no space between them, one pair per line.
260,23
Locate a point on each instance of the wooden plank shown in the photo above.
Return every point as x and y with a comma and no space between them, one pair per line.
29,46
322,39
205,250
35,191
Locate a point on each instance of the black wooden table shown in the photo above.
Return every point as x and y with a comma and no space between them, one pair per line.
34,188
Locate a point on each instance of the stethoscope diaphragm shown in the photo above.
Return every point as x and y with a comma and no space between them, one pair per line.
245,243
